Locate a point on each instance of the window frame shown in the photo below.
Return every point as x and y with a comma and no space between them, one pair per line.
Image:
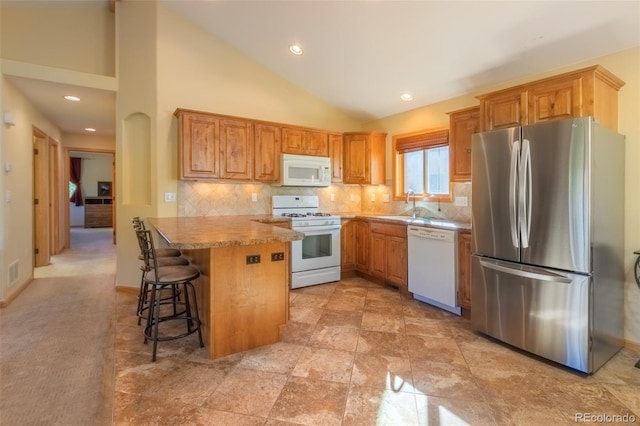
398,166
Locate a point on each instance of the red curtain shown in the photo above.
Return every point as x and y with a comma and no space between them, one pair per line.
76,173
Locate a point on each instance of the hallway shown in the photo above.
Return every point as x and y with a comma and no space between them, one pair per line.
57,339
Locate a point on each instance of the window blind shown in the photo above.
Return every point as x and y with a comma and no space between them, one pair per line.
425,140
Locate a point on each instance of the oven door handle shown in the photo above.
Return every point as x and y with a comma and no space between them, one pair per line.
315,230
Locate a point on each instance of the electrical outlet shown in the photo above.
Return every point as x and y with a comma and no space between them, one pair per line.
277,256
169,197
385,198
373,196
352,197
253,258
332,197
461,201
254,197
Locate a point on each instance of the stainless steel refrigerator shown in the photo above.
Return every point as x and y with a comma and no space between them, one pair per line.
547,272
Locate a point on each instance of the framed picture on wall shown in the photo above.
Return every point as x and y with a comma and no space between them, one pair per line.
104,189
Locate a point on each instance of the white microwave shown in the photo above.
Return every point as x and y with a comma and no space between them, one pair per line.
305,170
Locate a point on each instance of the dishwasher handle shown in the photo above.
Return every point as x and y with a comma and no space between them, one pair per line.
431,233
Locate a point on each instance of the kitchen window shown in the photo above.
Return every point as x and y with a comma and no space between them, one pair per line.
421,163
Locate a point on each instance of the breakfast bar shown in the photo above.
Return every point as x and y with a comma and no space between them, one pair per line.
243,289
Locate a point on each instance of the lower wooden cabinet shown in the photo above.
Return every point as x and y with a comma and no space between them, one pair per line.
362,231
464,270
388,253
98,212
348,245
336,154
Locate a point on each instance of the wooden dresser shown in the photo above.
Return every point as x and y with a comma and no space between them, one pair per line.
98,212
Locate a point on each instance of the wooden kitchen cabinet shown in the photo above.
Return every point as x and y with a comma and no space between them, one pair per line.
199,145
236,149
462,125
464,270
364,158
590,91
362,232
305,142
336,155
267,150
388,253
348,245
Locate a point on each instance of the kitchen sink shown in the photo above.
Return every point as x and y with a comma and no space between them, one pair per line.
422,221
405,218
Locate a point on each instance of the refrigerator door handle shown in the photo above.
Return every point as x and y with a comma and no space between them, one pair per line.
513,185
525,194
547,276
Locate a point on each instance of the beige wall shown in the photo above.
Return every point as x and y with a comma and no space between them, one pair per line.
17,148
169,60
87,142
625,65
79,38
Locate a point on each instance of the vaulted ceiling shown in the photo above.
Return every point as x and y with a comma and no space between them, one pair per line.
360,56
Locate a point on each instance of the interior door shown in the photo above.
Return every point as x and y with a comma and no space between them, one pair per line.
494,185
555,193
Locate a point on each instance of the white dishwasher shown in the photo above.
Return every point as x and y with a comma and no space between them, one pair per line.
433,266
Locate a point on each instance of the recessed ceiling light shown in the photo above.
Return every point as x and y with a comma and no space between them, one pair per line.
406,97
90,129
72,98
296,49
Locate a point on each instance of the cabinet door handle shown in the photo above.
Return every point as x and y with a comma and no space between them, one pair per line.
469,151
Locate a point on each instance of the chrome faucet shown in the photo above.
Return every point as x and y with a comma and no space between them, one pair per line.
412,194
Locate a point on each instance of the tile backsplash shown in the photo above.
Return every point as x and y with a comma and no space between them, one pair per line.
220,199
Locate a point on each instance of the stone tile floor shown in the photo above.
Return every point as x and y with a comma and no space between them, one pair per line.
355,353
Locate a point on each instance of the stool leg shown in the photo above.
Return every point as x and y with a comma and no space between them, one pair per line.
148,327
142,297
195,306
156,308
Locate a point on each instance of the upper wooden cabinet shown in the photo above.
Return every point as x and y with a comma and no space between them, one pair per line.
199,145
267,152
304,142
504,109
462,125
364,158
336,155
236,149
590,91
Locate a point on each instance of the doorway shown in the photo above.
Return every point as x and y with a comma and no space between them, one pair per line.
96,180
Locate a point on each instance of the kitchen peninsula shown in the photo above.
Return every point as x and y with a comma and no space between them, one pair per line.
243,290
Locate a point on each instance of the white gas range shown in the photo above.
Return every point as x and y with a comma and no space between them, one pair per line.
316,258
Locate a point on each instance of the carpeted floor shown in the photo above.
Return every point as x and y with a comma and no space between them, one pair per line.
57,339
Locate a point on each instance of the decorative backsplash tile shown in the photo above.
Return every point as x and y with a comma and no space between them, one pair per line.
222,199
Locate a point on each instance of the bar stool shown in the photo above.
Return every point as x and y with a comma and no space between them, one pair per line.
178,279
166,257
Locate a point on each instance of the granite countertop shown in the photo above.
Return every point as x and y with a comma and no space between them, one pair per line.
408,220
222,231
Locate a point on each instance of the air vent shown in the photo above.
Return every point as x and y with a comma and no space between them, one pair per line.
13,273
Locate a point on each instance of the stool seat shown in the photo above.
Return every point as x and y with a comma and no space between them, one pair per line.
172,261
171,274
165,252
